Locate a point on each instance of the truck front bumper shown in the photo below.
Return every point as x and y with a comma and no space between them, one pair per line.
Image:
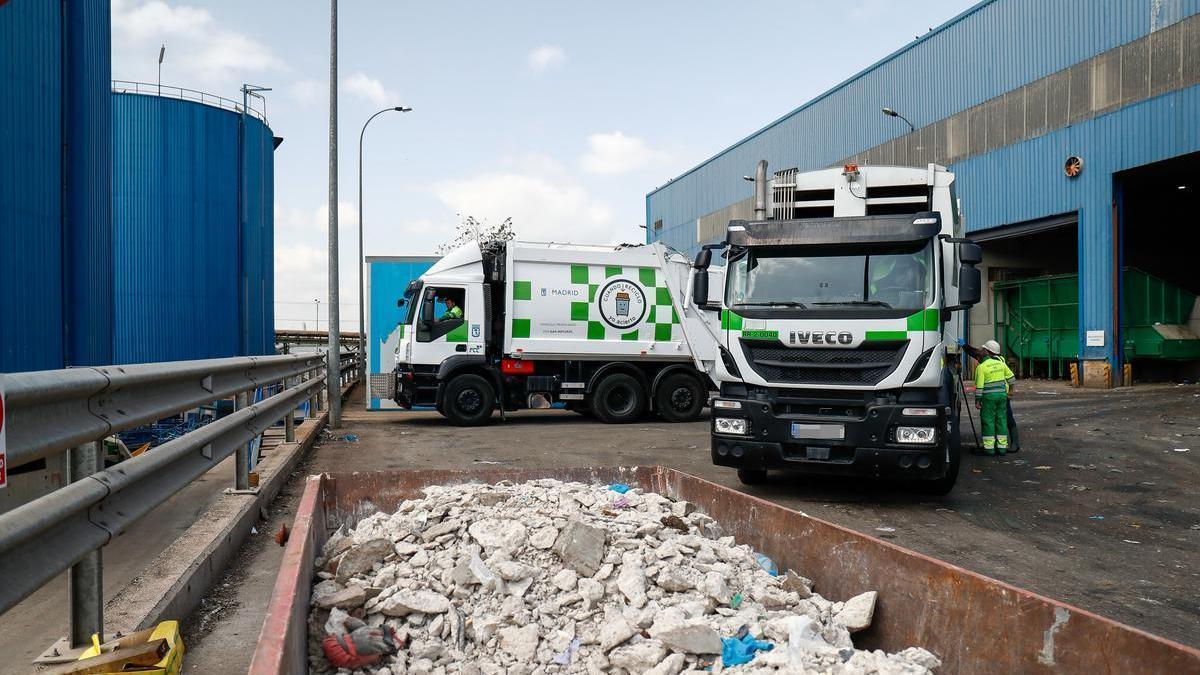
861,446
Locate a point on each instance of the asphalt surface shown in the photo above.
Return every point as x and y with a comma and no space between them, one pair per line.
1099,508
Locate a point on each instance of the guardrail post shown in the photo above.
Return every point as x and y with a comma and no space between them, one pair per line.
242,470
85,580
289,422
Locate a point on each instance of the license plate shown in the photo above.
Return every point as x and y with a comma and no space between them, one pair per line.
821,432
816,453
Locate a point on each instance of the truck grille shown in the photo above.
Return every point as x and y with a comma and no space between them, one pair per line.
867,364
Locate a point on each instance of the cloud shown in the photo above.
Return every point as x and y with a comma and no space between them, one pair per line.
546,57
308,91
615,153
545,205
198,46
366,87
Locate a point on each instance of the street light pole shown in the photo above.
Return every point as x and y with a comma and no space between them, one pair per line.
892,113
333,355
362,323
317,325
162,51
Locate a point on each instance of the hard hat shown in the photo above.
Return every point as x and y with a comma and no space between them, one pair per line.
993,347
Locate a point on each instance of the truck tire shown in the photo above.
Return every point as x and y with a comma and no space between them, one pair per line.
468,401
618,399
752,476
943,485
680,398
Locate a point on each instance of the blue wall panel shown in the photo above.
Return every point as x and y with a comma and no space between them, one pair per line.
386,281
258,230
54,82
194,278
87,96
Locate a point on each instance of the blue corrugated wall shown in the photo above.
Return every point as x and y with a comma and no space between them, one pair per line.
992,48
54,81
180,257
87,97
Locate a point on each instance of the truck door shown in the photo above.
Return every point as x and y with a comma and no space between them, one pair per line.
448,316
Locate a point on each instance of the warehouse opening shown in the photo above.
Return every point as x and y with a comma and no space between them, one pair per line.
1160,315
1030,301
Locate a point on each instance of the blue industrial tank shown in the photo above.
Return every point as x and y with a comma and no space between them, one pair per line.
55,140
193,271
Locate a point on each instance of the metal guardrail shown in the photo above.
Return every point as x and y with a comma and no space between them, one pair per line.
167,91
73,410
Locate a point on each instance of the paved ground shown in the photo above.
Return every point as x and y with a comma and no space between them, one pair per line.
1098,510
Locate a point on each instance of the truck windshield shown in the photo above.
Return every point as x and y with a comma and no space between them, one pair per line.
893,277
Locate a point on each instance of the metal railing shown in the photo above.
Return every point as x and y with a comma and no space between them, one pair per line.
73,410
166,91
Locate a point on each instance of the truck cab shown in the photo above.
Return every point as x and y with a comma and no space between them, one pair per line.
840,320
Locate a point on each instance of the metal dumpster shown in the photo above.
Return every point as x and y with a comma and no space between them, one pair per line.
973,623
1037,320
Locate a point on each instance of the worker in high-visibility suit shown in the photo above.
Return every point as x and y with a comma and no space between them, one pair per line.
993,383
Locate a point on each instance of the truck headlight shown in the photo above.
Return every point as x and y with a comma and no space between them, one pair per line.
919,412
732,425
915,434
728,405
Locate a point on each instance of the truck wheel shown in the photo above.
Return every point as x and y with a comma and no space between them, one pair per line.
618,399
679,398
752,476
468,401
943,485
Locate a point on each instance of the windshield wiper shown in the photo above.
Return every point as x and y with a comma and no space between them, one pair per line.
773,303
871,303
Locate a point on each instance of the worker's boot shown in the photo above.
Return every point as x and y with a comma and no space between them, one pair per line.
989,446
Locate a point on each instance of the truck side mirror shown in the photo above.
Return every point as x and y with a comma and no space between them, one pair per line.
700,285
969,253
703,259
427,311
969,285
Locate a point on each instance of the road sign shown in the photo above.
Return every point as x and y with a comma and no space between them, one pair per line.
3,443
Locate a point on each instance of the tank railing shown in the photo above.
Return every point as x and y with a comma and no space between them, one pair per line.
167,91
73,410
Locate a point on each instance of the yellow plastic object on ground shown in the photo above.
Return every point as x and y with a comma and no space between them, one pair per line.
170,664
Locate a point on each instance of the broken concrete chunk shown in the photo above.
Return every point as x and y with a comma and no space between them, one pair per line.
638,657
543,537
794,583
615,630
691,638
404,603
566,580
856,614
359,559
675,578
444,527
581,547
347,598
631,580
668,666
502,533
520,643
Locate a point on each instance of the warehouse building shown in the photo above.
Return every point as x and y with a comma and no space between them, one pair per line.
1073,129
136,221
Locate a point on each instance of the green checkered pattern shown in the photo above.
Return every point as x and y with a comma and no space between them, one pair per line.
658,325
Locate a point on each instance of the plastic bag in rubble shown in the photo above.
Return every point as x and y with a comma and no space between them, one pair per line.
736,651
767,564
804,635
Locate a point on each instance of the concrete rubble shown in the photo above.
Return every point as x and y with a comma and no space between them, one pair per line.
552,577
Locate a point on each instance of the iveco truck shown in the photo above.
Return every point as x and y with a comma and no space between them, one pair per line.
601,329
842,306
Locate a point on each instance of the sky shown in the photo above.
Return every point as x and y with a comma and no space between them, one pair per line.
560,115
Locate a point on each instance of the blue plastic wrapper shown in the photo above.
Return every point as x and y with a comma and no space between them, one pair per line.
619,488
767,564
735,651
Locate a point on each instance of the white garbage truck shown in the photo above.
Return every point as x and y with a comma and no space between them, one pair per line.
840,315
514,325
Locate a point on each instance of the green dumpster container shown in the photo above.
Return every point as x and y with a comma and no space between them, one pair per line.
1037,320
